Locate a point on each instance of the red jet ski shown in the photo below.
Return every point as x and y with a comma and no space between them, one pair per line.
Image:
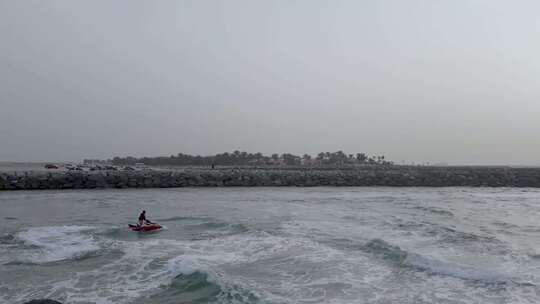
144,228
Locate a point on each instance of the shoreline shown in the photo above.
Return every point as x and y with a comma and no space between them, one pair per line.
393,176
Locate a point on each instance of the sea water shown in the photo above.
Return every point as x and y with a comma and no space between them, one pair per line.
272,245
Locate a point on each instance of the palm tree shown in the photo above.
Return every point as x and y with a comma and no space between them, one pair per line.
361,157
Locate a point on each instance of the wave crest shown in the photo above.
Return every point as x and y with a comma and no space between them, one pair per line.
432,266
57,243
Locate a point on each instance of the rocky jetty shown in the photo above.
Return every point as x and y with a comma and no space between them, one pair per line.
399,176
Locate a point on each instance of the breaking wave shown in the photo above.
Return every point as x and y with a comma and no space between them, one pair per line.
198,287
430,265
56,243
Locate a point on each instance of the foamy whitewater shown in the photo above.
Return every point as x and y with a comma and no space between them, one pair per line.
272,245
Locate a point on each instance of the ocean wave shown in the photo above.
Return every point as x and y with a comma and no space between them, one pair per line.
205,224
505,225
205,270
385,250
197,287
220,228
402,258
7,239
56,243
181,218
409,225
434,210
187,288
208,228
472,241
161,271
437,267
530,228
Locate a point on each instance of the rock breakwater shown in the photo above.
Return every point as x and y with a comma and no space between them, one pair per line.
401,176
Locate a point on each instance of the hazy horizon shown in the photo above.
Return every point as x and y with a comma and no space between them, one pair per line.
417,81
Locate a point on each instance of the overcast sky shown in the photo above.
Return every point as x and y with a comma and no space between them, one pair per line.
451,81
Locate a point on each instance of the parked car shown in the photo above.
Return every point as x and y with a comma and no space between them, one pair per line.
51,166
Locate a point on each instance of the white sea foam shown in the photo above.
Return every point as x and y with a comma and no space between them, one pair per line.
149,265
145,267
438,267
57,243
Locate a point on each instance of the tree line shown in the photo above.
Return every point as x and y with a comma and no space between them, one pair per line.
241,158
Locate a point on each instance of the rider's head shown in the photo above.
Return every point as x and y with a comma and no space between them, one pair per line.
144,211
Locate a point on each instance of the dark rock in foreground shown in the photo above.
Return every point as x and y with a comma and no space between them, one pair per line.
398,176
43,301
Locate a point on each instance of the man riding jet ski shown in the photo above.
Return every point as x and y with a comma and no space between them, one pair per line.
144,224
